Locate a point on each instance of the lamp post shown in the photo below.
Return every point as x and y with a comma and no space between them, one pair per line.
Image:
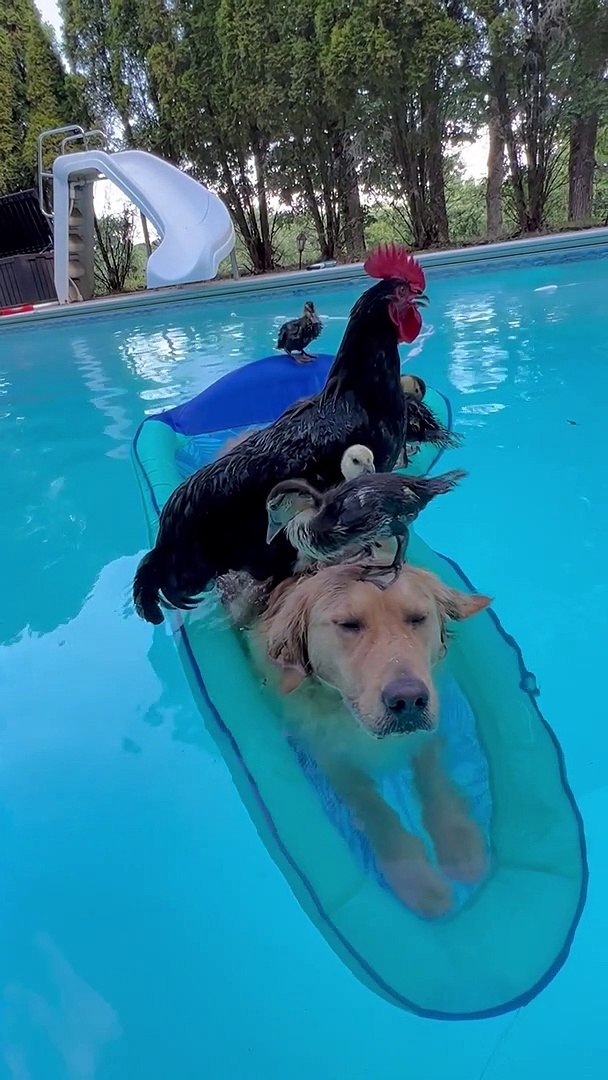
301,239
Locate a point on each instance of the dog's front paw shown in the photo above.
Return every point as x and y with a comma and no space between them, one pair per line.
418,886
460,848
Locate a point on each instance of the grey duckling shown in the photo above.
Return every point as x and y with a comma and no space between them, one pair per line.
346,523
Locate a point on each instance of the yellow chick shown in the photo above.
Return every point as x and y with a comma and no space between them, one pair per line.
356,461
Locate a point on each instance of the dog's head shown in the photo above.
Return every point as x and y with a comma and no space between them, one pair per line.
375,642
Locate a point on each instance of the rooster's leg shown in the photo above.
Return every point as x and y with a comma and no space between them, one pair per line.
402,542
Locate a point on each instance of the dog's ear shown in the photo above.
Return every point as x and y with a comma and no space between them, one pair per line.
289,678
452,603
458,605
284,628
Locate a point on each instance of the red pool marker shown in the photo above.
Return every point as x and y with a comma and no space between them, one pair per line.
19,310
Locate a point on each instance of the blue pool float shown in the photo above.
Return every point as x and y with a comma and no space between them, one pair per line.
506,939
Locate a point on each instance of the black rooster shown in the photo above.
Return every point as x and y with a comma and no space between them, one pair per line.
296,334
215,521
345,523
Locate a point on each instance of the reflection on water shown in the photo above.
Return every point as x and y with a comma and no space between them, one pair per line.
73,1019
478,359
499,335
104,396
482,410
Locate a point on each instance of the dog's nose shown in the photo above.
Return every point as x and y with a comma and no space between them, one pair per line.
406,700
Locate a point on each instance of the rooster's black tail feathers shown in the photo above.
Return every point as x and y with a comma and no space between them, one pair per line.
146,588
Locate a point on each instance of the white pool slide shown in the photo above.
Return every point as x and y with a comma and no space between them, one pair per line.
194,226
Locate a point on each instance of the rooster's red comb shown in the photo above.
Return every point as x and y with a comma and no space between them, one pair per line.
395,261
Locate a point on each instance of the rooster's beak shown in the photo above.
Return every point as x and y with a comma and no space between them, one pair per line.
421,300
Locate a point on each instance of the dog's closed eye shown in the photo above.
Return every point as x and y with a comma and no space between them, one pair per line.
416,618
350,626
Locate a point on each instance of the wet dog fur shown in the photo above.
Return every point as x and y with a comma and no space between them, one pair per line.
340,645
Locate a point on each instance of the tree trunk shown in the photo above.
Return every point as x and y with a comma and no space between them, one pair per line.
405,156
437,204
499,86
496,172
240,206
350,199
312,204
435,179
581,167
417,140
146,232
259,158
327,174
537,198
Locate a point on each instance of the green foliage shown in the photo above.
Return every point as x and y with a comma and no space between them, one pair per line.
342,117
600,201
408,62
34,91
586,40
115,260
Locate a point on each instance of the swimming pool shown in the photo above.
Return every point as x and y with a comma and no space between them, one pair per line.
145,929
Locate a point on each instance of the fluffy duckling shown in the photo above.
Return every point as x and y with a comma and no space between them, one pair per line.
422,426
413,386
356,461
296,334
346,523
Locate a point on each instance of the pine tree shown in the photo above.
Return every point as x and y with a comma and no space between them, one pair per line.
34,93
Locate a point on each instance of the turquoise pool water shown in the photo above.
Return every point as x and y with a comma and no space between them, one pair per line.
145,930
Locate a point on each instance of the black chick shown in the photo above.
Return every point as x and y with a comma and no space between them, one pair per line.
347,522
422,426
296,334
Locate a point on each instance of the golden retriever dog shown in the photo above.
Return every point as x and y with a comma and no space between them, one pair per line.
353,652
